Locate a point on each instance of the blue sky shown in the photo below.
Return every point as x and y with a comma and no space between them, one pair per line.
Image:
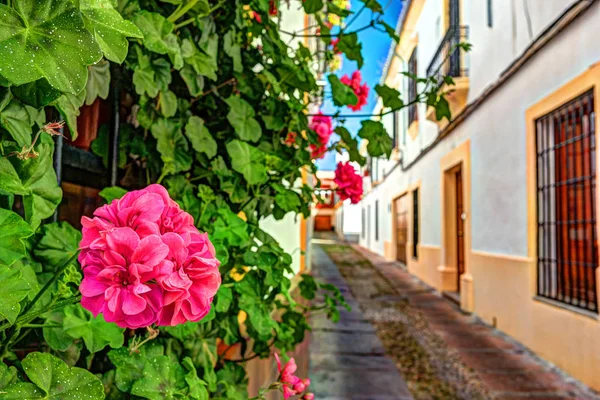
375,49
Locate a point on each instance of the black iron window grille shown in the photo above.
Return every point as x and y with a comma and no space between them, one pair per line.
415,226
413,112
449,58
567,242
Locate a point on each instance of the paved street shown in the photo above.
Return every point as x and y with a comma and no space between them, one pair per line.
347,360
402,340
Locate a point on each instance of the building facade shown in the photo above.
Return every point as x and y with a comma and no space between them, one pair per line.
497,208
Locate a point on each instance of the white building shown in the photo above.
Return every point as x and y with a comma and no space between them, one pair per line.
498,207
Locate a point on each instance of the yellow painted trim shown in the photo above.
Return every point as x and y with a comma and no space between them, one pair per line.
459,157
590,79
407,39
303,225
413,130
446,14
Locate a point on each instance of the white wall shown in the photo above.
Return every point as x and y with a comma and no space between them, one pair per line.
496,130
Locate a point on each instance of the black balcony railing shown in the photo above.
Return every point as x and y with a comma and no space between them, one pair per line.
448,59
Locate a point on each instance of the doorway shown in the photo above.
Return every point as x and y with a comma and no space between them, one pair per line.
460,228
401,216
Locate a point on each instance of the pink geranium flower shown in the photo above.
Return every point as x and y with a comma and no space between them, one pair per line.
117,281
323,126
349,183
292,385
144,262
360,90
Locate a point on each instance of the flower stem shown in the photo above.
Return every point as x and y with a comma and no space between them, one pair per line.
52,280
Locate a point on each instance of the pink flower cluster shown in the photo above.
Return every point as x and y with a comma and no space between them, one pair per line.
349,183
360,90
323,126
144,262
292,385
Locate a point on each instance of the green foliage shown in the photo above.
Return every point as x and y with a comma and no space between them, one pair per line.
379,142
12,237
52,378
343,95
205,111
55,26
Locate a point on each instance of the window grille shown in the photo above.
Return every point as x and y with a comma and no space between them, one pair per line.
566,204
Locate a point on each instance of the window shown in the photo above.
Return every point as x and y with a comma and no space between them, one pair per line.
362,226
376,219
489,13
412,87
415,225
566,204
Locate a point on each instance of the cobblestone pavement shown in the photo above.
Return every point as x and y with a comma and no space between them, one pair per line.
506,369
402,340
347,360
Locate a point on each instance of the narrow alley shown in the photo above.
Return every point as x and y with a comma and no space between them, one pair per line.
402,340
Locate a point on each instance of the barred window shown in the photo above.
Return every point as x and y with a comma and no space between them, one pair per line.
376,220
566,204
415,227
412,87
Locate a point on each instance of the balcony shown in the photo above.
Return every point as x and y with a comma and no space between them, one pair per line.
450,60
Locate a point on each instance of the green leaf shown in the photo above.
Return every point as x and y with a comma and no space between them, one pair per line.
203,60
193,80
8,375
111,193
288,200
172,146
247,160
168,103
15,119
95,332
46,39
68,105
58,243
380,142
162,379
230,228
200,138
241,117
35,180
442,109
13,289
223,299
233,50
197,389
98,83
52,379
391,97
109,28
351,47
36,94
390,31
56,337
343,95
312,6
350,144
130,366
373,5
157,31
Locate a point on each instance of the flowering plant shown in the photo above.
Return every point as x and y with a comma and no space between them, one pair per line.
144,262
361,90
323,127
349,183
203,97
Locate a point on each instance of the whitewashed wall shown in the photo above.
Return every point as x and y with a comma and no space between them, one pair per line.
496,130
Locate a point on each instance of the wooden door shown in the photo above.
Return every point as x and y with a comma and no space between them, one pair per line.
460,229
401,207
